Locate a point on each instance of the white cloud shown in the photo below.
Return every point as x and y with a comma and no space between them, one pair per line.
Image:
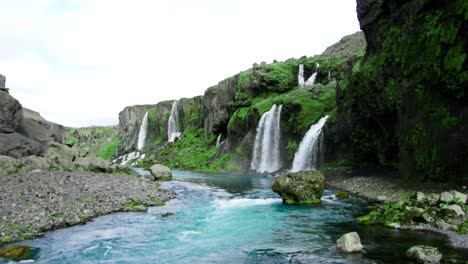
80,62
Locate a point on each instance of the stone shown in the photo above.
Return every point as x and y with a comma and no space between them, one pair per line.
420,197
342,195
94,164
2,81
33,163
8,165
433,198
381,198
42,131
61,157
304,187
349,243
16,145
456,208
166,214
10,113
446,197
161,172
424,254
16,252
458,196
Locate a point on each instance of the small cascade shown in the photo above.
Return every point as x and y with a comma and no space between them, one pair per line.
218,140
300,76
311,150
143,132
329,76
266,151
311,80
173,128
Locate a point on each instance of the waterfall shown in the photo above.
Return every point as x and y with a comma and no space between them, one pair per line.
143,132
311,149
218,140
329,76
173,129
266,151
300,77
311,80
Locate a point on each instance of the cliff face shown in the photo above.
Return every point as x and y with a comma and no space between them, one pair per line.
406,101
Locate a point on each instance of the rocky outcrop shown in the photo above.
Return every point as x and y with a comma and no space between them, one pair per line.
130,119
424,254
349,243
10,113
16,145
406,101
161,172
35,127
304,187
219,105
351,45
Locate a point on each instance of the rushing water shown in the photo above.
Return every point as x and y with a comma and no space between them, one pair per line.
143,132
311,149
227,219
173,127
311,80
300,76
266,152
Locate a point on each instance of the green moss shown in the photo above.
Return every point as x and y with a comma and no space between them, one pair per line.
16,252
107,151
342,195
158,201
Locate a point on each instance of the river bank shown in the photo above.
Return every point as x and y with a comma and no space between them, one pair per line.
31,204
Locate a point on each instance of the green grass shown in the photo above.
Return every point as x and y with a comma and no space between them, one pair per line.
107,151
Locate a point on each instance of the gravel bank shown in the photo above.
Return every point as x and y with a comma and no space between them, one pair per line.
34,203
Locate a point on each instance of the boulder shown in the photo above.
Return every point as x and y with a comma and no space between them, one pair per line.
8,165
16,145
94,164
456,209
433,198
304,187
424,254
446,197
10,113
2,81
61,157
32,163
161,172
349,243
420,197
16,252
40,130
458,196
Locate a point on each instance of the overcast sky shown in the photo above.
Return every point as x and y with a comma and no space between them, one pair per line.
81,62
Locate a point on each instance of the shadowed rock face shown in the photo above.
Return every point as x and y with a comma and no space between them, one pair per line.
10,113
16,145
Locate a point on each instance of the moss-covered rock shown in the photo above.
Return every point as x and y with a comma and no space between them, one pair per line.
16,252
304,187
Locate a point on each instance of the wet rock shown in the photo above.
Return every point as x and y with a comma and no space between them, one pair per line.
424,254
420,197
16,252
342,195
161,172
166,214
349,243
433,198
304,187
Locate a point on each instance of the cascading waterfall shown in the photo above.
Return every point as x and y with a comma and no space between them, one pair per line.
311,80
266,151
311,149
173,129
300,76
218,140
143,132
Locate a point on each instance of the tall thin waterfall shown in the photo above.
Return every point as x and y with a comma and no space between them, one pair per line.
143,132
266,151
311,80
173,129
300,76
311,149
218,140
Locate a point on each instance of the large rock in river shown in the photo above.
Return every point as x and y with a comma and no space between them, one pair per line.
10,113
349,243
424,254
161,172
304,187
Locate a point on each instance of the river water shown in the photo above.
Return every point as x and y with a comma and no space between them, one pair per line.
229,219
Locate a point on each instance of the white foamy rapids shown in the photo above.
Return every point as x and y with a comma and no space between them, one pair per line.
143,132
300,76
130,157
173,128
266,152
245,202
311,149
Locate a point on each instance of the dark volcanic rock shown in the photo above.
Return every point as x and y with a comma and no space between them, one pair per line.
37,128
16,145
10,113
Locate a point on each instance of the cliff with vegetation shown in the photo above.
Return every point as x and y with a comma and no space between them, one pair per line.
405,102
